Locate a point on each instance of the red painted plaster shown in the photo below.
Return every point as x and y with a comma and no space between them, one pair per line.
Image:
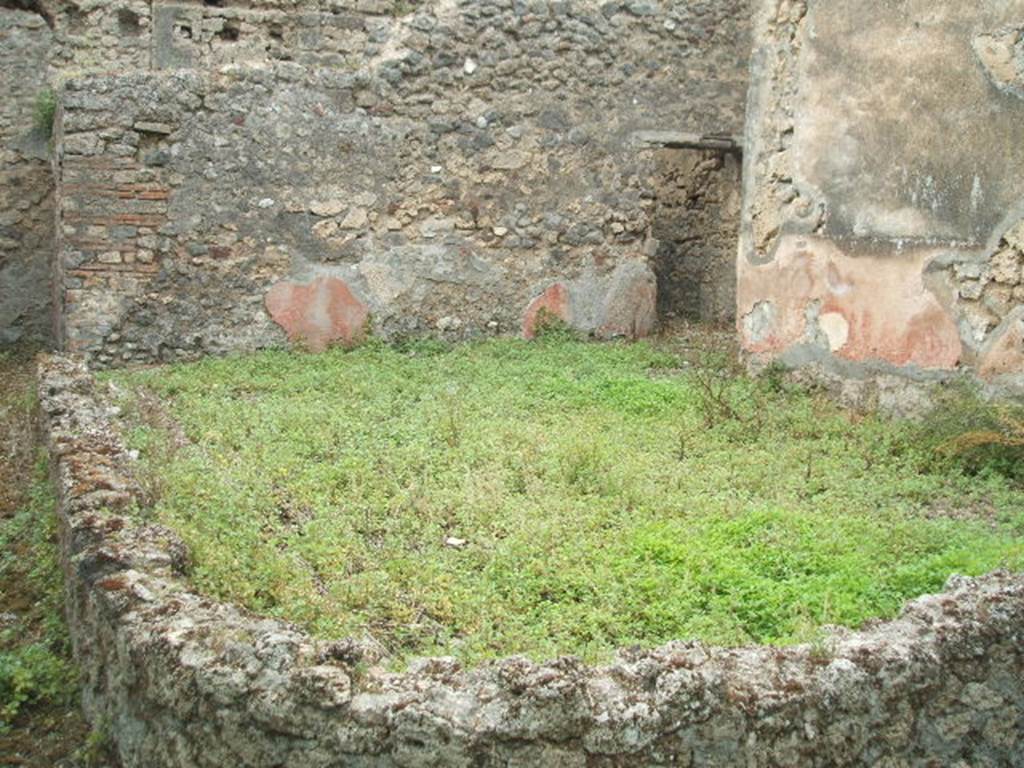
890,314
319,313
554,301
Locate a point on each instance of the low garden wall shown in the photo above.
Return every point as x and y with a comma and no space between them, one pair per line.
181,680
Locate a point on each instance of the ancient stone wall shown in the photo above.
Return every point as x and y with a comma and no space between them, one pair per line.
324,34
182,681
884,190
138,35
437,169
26,186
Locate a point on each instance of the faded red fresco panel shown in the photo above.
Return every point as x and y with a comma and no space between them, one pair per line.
554,301
319,313
871,307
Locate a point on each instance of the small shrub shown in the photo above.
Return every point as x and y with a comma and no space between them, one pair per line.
977,436
774,377
550,327
1008,433
452,419
719,399
34,658
45,113
98,748
31,674
403,7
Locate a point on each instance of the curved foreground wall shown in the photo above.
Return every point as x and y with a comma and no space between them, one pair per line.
181,680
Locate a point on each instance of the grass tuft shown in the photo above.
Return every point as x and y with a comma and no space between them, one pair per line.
45,112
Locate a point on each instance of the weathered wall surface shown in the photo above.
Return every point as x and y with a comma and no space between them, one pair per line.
182,681
556,67
26,182
128,35
885,188
480,157
318,33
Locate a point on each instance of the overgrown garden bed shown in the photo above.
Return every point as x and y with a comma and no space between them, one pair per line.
553,498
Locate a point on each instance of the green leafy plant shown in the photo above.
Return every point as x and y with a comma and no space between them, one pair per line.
45,113
550,327
1007,432
722,393
403,7
965,430
31,674
98,748
34,666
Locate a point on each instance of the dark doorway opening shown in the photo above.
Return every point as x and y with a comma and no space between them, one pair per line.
697,222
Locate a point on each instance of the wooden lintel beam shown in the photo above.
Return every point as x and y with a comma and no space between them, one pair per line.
680,140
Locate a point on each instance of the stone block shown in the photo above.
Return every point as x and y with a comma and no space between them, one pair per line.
630,305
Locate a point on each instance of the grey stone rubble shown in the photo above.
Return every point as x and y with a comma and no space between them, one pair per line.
185,681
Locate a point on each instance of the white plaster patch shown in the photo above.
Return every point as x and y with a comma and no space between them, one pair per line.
836,284
900,222
835,328
997,51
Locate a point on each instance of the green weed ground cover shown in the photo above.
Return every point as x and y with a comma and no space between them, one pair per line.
550,498
34,652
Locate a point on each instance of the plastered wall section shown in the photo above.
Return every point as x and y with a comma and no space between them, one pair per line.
480,165
883,199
